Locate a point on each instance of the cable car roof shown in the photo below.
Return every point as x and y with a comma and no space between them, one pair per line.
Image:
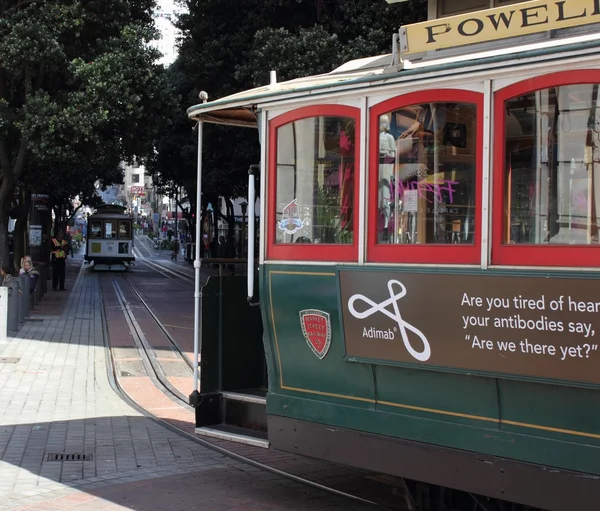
240,109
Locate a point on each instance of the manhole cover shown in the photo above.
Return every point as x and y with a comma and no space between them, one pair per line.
69,457
9,360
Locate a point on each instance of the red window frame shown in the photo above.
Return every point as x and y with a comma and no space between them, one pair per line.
524,254
433,253
311,252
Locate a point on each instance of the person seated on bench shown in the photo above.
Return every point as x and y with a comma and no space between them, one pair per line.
28,269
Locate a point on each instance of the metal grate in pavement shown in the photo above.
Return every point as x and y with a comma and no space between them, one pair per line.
9,360
69,457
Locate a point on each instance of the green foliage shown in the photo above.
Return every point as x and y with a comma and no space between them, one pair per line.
305,52
229,46
344,30
79,92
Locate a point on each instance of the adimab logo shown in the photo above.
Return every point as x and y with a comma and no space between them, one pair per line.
397,291
316,327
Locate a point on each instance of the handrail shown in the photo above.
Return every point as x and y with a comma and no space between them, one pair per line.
251,226
225,260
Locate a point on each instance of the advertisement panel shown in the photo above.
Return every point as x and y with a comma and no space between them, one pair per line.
527,326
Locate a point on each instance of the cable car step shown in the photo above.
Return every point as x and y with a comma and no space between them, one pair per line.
235,434
242,412
245,397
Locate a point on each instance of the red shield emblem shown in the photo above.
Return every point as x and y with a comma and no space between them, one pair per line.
316,327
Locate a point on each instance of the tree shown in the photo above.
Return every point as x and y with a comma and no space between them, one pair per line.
343,30
229,46
79,92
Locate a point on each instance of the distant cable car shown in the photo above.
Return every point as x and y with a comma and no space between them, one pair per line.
109,239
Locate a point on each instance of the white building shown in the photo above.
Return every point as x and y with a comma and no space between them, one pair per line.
136,193
137,189
164,17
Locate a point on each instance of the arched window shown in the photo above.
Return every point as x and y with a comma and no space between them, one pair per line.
547,171
313,184
425,178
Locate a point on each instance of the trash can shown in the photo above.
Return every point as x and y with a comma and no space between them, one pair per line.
24,285
39,288
3,312
45,276
12,320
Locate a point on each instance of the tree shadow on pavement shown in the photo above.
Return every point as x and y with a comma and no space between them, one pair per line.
138,464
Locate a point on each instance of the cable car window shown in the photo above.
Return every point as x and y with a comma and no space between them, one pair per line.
110,229
427,174
125,230
551,168
96,228
314,199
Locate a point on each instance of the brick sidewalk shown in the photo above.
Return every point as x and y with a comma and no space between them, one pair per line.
54,302
55,397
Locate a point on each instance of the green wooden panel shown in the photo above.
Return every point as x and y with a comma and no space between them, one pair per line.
228,320
553,406
491,441
532,421
243,357
297,289
209,370
456,393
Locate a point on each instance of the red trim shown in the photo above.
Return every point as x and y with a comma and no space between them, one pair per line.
532,255
318,252
442,254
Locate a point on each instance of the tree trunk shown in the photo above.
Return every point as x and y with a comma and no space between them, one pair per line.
5,202
21,247
4,253
20,243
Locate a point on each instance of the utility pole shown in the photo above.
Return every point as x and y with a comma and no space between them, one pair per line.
176,216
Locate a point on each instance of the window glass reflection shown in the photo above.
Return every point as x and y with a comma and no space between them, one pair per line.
96,228
125,230
552,140
427,174
315,181
110,229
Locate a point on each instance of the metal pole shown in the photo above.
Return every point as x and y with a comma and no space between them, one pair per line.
251,226
194,397
176,215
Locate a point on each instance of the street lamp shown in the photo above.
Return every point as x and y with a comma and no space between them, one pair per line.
244,206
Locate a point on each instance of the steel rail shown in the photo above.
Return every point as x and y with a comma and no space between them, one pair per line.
160,325
172,394
145,350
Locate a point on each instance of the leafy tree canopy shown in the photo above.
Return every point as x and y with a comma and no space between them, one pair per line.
229,46
79,92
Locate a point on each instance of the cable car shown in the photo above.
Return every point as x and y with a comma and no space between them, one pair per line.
429,262
109,239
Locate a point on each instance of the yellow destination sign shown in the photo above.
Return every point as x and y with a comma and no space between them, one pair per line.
500,23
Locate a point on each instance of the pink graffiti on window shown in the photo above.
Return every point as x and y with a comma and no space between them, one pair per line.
437,188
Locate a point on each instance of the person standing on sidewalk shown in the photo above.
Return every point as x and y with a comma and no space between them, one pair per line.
59,251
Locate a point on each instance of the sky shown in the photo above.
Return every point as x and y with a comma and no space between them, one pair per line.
167,43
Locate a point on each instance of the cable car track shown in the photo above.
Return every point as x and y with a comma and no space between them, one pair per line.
145,350
170,273
152,367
